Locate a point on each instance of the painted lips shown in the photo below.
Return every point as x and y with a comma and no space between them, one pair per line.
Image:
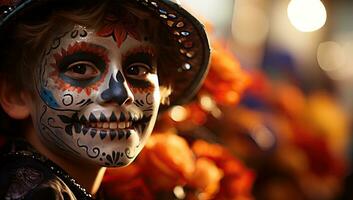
124,121
116,127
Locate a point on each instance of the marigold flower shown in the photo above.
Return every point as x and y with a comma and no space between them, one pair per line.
135,189
226,72
237,180
167,161
125,183
206,178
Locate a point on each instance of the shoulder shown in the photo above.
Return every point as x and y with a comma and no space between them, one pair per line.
25,178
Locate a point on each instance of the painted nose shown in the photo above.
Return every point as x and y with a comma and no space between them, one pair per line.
117,92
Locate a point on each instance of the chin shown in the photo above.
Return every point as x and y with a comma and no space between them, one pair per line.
115,148
96,136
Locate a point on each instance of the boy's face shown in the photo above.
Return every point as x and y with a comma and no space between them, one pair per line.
97,94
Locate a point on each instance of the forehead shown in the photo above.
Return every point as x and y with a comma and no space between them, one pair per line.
120,22
109,41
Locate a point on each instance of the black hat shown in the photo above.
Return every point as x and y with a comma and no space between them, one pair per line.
185,31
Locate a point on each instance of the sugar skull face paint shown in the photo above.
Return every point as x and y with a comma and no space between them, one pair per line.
97,98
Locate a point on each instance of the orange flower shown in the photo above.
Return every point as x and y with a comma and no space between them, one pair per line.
225,81
206,178
237,180
167,161
211,151
125,183
122,174
290,98
135,189
195,116
236,186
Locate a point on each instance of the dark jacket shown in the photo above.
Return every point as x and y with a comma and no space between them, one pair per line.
26,174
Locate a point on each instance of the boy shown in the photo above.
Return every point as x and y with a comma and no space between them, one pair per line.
85,79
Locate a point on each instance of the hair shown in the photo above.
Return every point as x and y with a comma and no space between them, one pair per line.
24,40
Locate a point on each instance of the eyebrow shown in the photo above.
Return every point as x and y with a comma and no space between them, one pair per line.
81,47
143,54
140,49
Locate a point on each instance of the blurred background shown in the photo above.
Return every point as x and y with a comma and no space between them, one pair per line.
303,50
274,117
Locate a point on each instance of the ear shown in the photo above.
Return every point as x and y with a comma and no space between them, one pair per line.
15,103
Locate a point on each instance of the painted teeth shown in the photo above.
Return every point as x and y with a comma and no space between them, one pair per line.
105,125
114,121
110,125
113,125
99,124
121,125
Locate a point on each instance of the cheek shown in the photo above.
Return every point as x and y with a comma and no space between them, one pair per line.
148,101
74,100
148,98
55,98
59,96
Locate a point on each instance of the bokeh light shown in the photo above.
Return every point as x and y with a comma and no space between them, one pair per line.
307,15
335,59
178,113
263,137
207,102
330,56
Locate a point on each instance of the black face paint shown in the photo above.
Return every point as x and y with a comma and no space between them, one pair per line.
131,71
67,100
140,83
56,43
75,33
116,91
140,57
76,57
77,124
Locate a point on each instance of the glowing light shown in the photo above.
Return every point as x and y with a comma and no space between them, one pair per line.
330,56
336,60
216,112
307,15
179,192
263,137
207,103
178,113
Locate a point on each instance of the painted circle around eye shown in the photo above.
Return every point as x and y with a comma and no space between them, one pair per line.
82,70
137,70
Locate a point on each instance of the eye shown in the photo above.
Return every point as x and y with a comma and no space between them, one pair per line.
82,70
137,71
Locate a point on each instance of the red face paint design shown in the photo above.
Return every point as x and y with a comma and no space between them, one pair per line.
120,28
114,113
80,67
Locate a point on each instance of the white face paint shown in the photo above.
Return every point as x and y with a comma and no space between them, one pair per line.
98,96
